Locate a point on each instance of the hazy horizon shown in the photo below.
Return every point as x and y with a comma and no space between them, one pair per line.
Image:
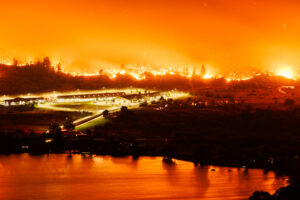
86,36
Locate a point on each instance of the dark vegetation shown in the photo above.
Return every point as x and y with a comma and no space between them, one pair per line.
28,117
43,77
227,135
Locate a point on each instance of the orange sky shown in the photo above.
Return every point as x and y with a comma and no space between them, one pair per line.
86,35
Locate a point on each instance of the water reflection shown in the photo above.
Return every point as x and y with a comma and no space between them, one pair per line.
169,166
202,182
79,177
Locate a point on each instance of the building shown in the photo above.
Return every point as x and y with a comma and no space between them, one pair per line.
23,101
88,97
142,97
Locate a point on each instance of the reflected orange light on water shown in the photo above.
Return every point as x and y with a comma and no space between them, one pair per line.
96,177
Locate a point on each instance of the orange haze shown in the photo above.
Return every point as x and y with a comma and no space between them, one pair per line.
86,35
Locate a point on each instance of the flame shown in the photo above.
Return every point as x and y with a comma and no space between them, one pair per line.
138,73
122,72
208,76
5,62
286,72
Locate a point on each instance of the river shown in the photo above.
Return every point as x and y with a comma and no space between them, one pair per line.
59,177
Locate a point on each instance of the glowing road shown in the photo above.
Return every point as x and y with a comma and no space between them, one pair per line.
96,113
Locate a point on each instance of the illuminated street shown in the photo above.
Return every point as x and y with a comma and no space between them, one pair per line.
93,102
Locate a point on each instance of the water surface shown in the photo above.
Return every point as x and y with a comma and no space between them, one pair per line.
58,177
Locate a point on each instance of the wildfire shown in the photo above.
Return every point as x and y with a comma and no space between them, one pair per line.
208,76
139,72
286,72
5,62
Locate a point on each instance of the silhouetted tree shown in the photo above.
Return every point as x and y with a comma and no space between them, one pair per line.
54,128
15,62
144,104
161,98
291,192
105,113
58,67
68,124
261,195
47,62
289,102
203,71
124,109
